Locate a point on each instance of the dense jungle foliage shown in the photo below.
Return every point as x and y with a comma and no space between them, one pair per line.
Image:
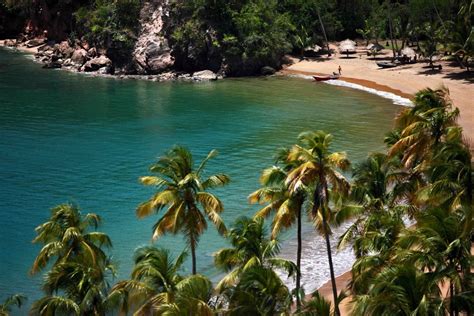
240,37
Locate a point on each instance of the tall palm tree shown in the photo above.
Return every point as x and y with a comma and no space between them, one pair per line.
77,282
181,188
287,207
317,167
15,300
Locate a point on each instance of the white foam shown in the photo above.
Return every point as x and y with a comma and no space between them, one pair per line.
396,99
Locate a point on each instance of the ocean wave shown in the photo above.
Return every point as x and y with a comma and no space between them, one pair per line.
396,99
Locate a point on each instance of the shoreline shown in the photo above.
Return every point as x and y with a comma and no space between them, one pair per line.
404,81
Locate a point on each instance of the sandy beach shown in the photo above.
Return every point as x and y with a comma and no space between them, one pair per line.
403,80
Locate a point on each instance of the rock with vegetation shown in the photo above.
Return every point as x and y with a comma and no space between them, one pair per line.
152,53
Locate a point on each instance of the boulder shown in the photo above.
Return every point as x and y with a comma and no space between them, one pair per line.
92,53
9,43
35,42
267,71
204,75
65,49
79,57
97,63
52,65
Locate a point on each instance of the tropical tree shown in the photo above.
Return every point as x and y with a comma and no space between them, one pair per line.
252,284
424,126
287,207
317,167
15,300
401,290
77,282
155,273
182,189
192,297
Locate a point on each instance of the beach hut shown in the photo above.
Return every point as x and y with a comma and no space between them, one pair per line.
347,47
312,51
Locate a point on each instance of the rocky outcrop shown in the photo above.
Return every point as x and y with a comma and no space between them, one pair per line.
204,75
152,53
97,63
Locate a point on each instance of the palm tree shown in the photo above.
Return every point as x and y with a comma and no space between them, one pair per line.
424,126
15,300
80,269
250,263
401,290
286,205
66,237
192,297
317,168
250,247
155,272
181,188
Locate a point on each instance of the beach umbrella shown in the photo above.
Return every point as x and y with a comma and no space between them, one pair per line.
347,46
409,52
374,47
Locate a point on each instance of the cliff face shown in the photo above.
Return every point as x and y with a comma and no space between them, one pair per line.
152,53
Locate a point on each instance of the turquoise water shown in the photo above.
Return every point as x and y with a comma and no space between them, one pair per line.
70,137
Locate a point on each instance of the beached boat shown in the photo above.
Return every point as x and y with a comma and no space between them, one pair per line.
325,78
384,64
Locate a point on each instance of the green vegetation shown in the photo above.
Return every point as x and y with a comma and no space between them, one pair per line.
426,176
240,37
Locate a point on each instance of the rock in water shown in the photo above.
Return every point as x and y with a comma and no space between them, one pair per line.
9,43
97,63
204,75
152,53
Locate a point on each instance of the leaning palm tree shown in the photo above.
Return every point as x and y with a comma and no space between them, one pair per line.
155,272
423,127
317,168
181,188
15,300
287,207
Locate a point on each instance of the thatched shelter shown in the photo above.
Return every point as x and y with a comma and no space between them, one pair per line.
347,47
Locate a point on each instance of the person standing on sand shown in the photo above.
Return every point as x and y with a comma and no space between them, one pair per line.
340,70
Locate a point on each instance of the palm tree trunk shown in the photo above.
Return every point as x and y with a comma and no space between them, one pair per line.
390,26
193,254
331,269
298,261
328,243
324,32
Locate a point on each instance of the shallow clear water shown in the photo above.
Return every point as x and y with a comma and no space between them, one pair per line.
70,137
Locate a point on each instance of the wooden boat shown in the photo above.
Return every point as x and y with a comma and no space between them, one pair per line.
325,78
384,64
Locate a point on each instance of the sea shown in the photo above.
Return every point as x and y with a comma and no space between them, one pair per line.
69,137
